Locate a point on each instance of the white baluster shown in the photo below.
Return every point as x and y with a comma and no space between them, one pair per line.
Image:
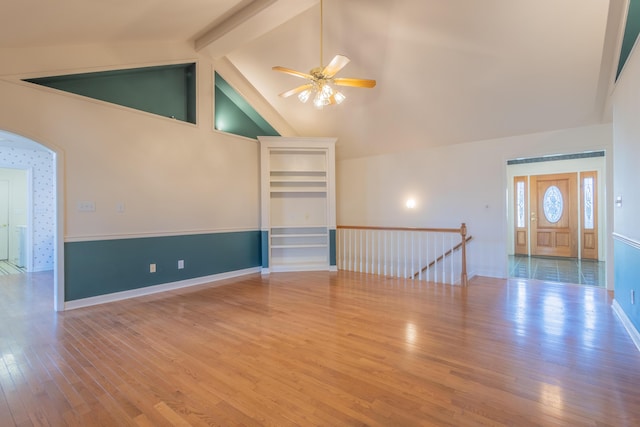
444,271
386,246
428,236
396,258
420,236
451,245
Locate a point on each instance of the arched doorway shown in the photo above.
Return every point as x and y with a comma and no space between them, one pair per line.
42,225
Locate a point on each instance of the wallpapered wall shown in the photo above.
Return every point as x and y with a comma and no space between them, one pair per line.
42,165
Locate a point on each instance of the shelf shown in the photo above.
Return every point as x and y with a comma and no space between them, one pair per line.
298,201
297,180
298,190
299,235
288,172
300,246
297,227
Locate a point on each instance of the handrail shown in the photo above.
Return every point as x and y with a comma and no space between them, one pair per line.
462,245
441,257
366,227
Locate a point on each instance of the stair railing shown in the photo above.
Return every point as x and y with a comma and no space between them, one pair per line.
430,254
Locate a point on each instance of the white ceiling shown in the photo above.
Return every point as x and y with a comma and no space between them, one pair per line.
447,71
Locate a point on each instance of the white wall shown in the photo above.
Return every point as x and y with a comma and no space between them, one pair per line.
626,131
172,177
452,184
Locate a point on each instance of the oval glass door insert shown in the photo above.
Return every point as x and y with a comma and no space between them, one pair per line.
553,204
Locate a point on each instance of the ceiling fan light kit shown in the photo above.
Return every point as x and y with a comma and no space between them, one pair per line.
322,78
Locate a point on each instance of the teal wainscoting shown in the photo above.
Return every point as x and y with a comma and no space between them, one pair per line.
332,248
265,249
627,279
103,267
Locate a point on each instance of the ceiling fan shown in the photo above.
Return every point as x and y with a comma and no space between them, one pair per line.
321,78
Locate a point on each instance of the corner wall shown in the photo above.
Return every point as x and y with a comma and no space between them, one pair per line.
626,137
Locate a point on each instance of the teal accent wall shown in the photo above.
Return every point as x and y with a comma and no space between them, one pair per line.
332,247
265,249
106,266
631,31
168,91
233,114
627,278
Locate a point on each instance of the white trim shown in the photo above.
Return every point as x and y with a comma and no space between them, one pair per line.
20,77
29,236
60,200
234,135
149,290
626,322
285,268
626,240
154,234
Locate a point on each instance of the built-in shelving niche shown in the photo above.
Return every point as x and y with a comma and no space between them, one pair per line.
298,202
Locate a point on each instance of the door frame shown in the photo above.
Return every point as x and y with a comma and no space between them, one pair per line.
58,203
562,164
29,242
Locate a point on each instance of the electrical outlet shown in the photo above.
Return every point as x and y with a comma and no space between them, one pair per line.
180,264
152,268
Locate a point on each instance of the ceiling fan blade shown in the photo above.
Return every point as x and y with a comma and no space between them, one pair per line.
293,72
296,90
345,81
337,63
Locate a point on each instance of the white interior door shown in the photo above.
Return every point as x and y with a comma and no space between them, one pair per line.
4,220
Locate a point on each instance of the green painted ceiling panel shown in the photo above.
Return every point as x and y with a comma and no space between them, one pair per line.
233,114
164,90
631,31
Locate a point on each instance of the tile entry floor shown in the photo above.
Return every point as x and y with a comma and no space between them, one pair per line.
563,270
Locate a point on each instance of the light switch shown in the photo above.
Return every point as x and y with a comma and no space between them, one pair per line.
86,206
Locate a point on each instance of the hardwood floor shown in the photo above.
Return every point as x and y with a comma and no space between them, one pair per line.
319,348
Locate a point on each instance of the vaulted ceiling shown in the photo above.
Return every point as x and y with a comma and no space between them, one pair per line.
447,71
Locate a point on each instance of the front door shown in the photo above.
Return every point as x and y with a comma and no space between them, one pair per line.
554,228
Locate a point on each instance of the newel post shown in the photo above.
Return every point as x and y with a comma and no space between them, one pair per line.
463,275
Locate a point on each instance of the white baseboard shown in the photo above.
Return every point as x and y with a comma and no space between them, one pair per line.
628,325
149,290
